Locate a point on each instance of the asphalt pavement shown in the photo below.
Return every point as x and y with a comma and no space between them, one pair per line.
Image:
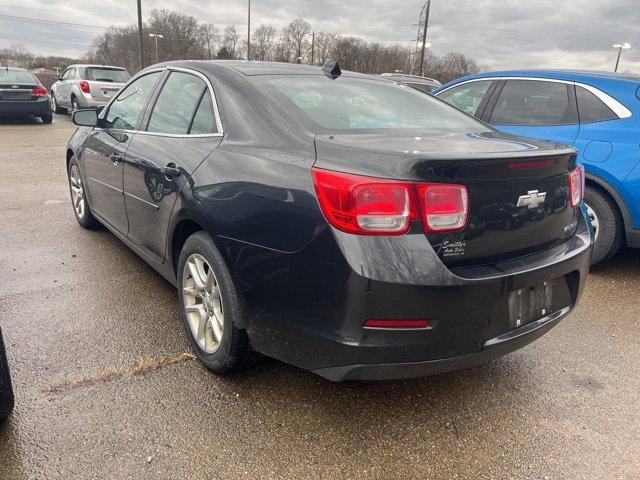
106,388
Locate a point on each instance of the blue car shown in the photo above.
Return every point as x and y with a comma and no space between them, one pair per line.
596,112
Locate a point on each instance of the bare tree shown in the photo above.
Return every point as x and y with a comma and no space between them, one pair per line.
209,38
296,37
263,39
231,40
325,43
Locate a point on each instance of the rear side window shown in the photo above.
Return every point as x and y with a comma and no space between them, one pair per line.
107,75
467,97
533,102
204,120
591,108
125,110
176,106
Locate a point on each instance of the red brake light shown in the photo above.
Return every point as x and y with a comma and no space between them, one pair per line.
444,206
364,205
84,86
378,206
39,91
576,186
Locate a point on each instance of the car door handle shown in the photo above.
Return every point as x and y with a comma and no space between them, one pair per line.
171,171
115,158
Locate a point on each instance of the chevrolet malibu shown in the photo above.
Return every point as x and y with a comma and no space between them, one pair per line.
339,222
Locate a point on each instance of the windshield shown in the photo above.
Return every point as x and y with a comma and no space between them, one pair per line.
107,75
361,104
16,76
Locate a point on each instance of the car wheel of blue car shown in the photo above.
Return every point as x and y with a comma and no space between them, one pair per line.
607,223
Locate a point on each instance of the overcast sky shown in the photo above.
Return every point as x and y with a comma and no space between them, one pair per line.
498,33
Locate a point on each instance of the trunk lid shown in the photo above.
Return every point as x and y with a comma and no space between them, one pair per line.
518,188
16,91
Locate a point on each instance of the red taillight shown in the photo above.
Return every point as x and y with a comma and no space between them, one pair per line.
39,91
395,323
444,206
364,205
84,86
377,206
576,186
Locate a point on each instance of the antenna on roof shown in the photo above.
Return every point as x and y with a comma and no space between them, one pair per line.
332,70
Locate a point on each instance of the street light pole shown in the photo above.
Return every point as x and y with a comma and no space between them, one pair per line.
140,44
249,32
313,47
620,47
156,36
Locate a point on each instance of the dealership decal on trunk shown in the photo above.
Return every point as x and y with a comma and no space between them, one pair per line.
453,249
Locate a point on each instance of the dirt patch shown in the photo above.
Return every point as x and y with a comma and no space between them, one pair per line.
112,372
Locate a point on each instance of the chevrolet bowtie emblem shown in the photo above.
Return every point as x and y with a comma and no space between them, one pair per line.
15,86
533,199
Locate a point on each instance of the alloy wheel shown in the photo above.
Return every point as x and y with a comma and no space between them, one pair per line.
77,191
594,221
203,303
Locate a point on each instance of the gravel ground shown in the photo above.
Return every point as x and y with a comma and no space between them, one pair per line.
106,387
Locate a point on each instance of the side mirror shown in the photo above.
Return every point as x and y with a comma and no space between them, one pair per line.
85,118
60,78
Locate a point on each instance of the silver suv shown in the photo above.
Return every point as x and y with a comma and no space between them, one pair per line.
86,86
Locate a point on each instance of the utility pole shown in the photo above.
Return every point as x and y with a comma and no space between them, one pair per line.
140,44
313,47
620,47
424,35
249,32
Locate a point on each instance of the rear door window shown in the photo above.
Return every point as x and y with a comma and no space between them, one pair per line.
176,106
467,96
126,109
591,108
534,102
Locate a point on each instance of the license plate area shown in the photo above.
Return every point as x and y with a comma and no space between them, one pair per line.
529,304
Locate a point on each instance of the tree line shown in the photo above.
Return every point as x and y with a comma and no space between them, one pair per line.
183,37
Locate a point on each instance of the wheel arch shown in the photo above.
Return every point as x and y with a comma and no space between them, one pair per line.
183,230
70,154
619,202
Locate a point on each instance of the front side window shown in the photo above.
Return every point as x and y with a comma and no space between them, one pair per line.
534,102
69,74
177,103
353,104
591,108
126,109
467,97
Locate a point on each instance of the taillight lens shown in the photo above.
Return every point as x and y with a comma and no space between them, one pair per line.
576,186
84,86
376,206
39,91
444,206
364,205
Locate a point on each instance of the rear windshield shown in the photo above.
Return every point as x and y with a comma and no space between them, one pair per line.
107,75
354,104
16,76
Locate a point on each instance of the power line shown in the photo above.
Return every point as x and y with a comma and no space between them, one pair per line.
51,22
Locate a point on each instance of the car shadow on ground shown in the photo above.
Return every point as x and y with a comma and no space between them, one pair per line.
20,120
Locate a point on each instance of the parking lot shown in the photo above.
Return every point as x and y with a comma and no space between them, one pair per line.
106,388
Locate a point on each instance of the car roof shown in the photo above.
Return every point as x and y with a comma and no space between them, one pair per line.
585,76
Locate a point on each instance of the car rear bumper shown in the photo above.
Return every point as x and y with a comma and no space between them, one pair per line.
87,101
315,320
27,107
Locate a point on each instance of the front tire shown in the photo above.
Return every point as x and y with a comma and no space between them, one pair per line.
81,208
210,306
55,108
74,104
606,222
6,390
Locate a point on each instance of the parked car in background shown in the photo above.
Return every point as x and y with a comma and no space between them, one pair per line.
335,221
424,84
21,94
86,86
596,112
6,390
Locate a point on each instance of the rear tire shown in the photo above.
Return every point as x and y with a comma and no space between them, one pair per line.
47,118
6,390
74,104
79,202
222,348
607,222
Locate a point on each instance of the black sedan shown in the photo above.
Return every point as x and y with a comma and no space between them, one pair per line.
22,94
333,220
